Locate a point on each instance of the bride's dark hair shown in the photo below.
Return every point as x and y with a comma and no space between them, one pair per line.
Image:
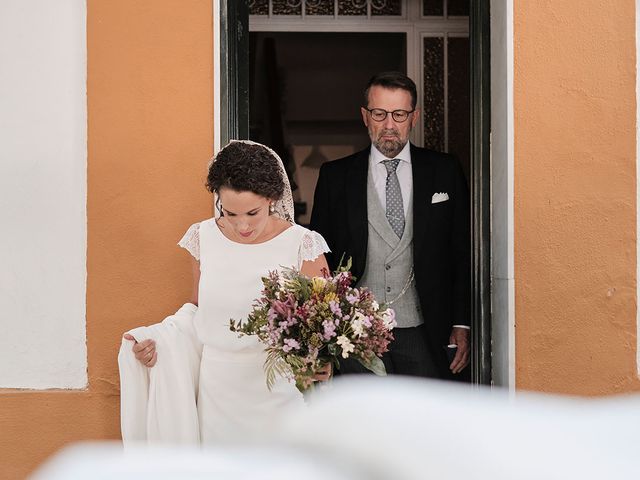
246,167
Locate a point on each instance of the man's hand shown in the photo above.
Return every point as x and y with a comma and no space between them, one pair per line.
323,374
460,337
144,351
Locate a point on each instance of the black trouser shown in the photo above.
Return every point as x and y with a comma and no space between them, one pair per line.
408,355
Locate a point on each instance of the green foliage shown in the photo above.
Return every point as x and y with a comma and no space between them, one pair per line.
275,364
374,364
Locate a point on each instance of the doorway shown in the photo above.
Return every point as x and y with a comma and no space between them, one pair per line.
305,96
291,104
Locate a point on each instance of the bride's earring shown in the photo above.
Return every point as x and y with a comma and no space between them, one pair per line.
272,208
219,207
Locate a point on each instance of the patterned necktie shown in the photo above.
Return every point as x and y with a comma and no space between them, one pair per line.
395,208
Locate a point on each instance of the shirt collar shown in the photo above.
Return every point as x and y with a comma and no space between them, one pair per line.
404,156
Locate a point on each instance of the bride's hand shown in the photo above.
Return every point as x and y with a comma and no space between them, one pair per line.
324,373
144,351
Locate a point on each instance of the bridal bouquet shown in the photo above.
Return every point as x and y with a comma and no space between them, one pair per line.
306,322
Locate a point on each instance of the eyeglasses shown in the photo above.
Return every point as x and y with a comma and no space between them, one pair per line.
379,114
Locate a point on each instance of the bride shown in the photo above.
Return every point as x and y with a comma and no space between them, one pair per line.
253,234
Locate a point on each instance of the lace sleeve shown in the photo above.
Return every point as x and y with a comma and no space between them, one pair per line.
191,241
312,246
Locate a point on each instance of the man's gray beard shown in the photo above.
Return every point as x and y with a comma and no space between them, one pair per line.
389,148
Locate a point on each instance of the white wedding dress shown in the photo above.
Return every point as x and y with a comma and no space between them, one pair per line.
233,399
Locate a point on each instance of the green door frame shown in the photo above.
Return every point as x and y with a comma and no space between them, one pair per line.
234,68
480,79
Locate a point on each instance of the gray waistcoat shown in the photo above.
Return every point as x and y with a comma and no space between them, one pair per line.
389,261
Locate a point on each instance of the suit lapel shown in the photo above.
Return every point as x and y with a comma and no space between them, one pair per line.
422,172
357,205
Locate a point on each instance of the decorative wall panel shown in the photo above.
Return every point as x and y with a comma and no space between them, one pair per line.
258,7
319,7
287,7
386,7
352,7
433,93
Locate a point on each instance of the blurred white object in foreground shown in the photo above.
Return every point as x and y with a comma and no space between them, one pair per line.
108,461
402,429
417,429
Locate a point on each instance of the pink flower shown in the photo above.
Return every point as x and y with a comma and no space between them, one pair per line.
329,329
353,297
290,344
335,308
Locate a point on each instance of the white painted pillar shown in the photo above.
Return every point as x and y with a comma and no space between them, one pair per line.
502,204
43,163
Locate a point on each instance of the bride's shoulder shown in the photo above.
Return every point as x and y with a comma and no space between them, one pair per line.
310,244
299,231
304,230
191,239
208,221
280,224
196,226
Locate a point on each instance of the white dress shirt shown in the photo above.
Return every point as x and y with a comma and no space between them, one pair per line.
379,173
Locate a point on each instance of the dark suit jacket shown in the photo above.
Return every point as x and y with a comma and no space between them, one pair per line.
441,239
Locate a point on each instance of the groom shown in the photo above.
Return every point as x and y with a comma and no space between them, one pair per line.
402,214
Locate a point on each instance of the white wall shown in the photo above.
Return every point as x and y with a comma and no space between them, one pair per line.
43,157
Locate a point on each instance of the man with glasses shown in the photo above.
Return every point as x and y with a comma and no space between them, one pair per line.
401,213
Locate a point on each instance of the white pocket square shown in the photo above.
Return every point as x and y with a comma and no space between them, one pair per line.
440,197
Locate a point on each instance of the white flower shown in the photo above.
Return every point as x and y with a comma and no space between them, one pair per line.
389,319
357,323
347,346
375,306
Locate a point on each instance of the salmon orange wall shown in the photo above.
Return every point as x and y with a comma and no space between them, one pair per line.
575,196
150,135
